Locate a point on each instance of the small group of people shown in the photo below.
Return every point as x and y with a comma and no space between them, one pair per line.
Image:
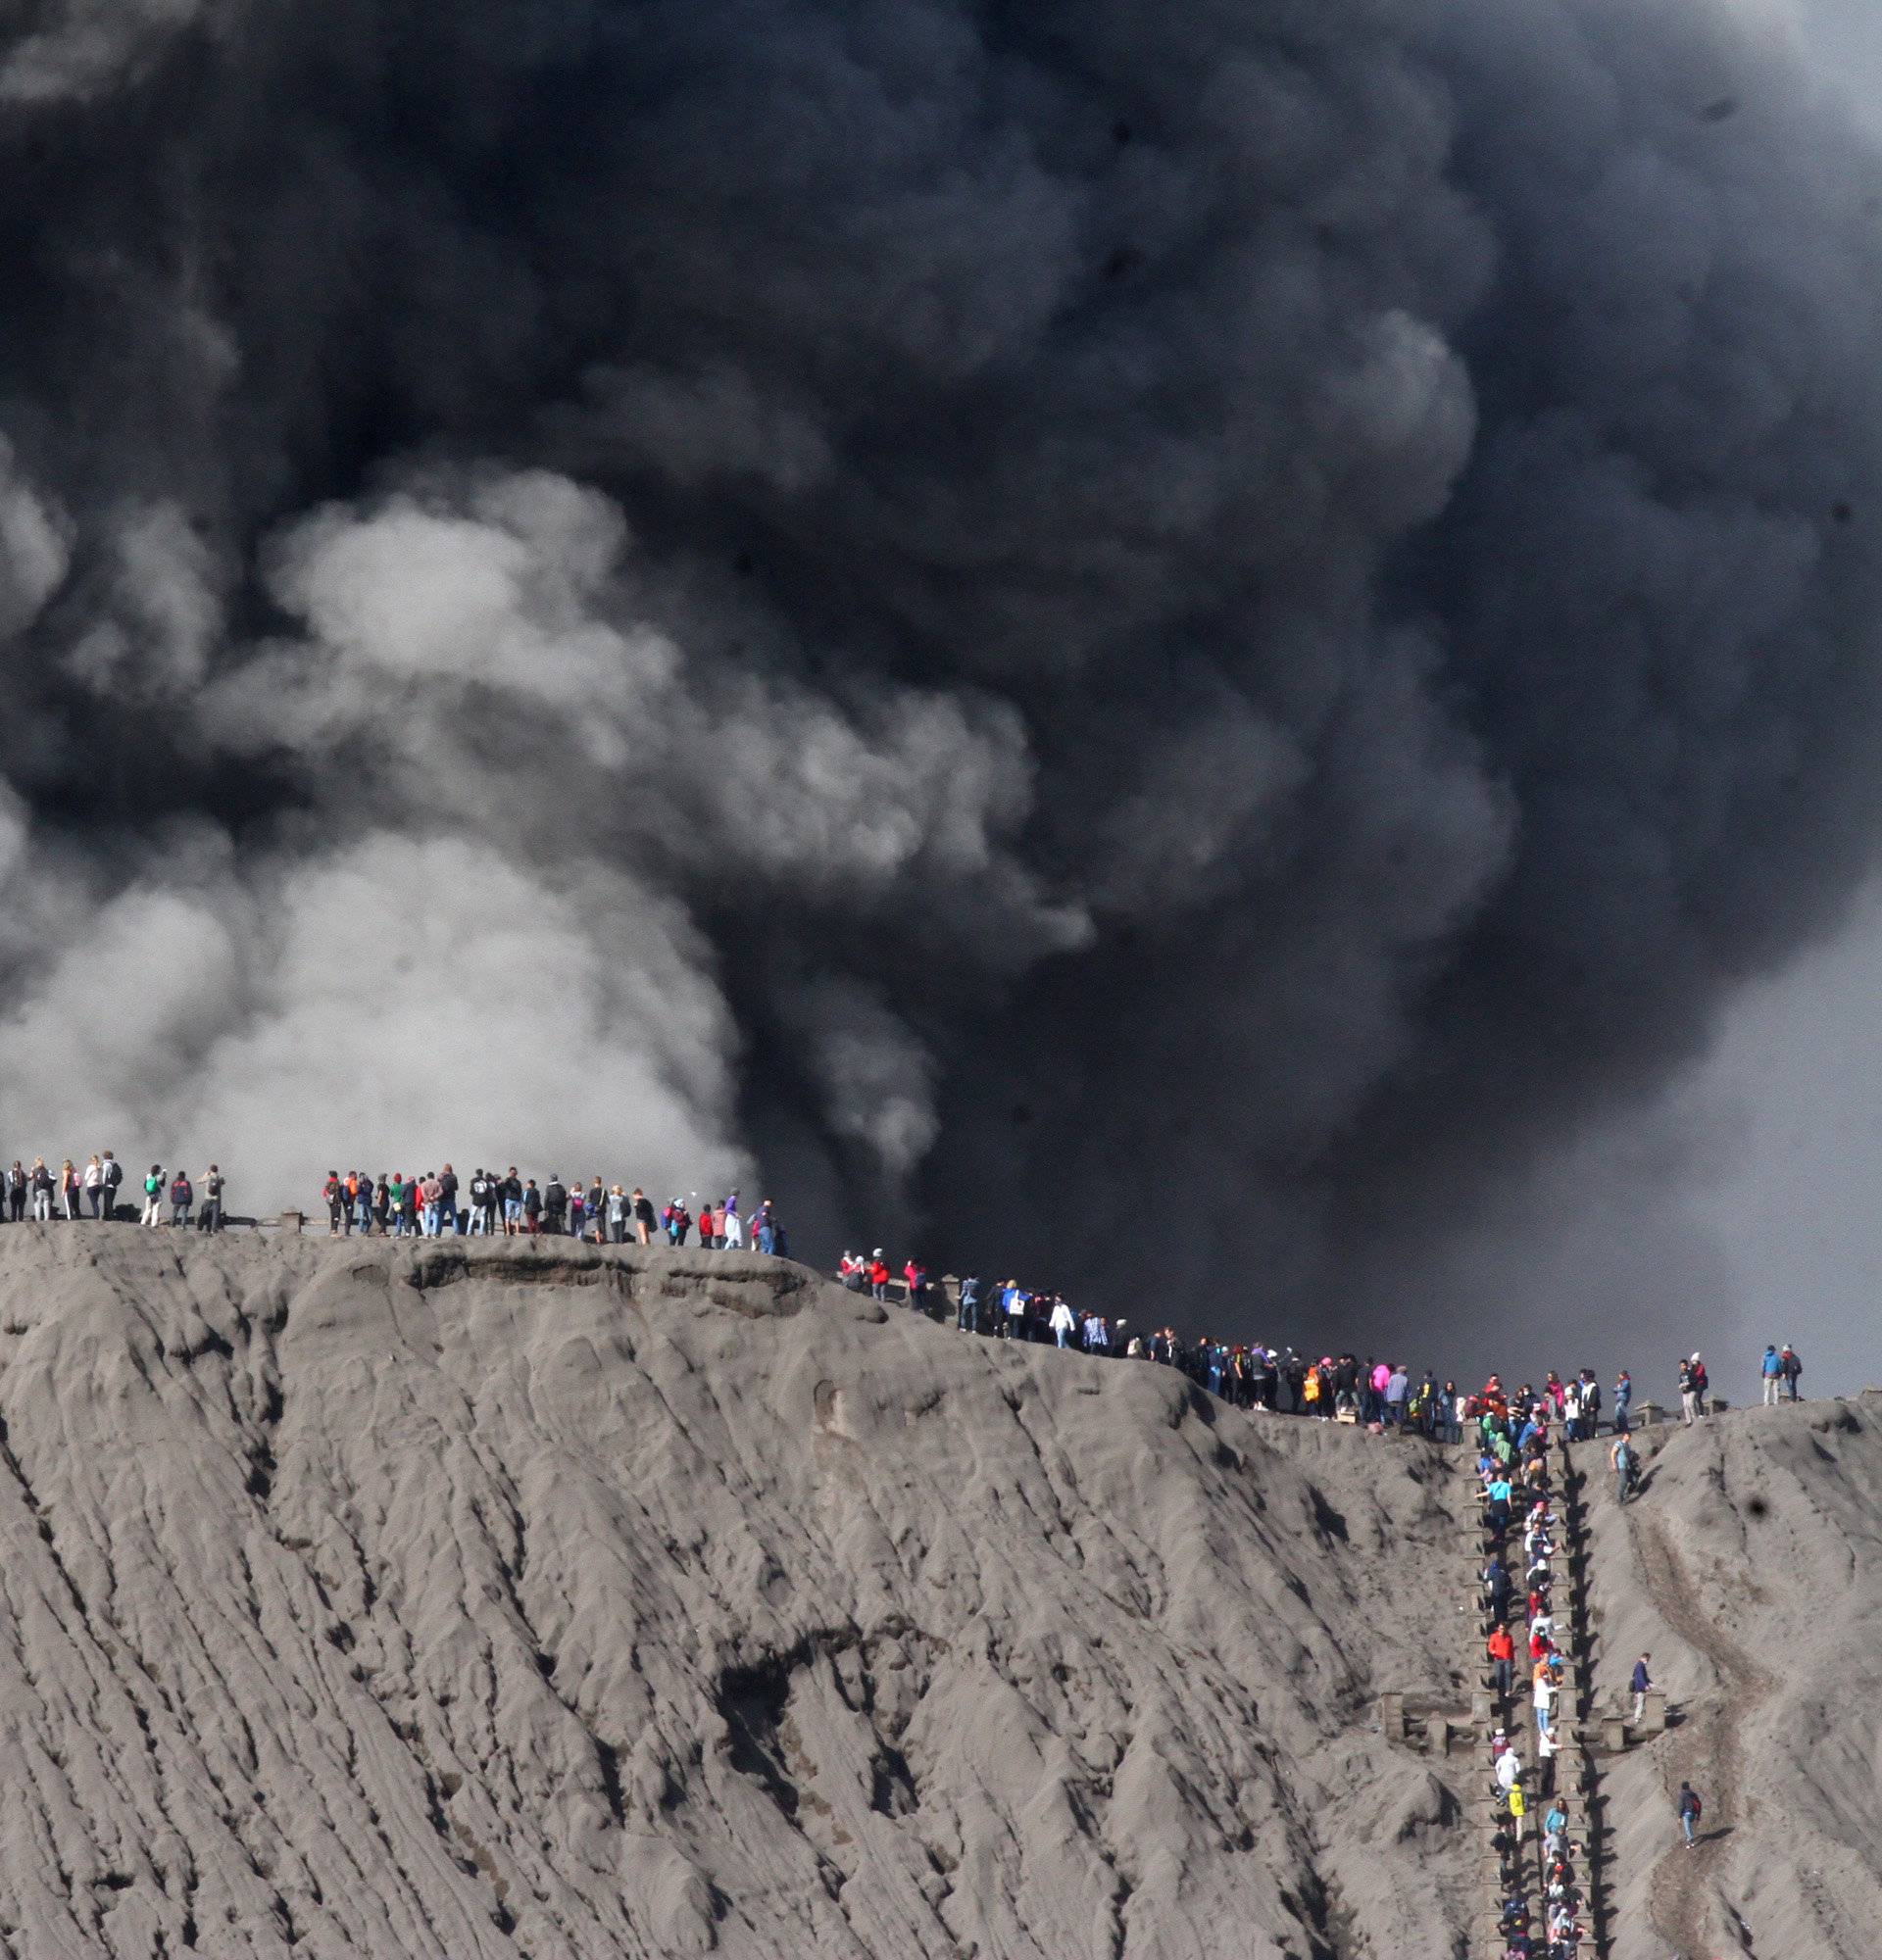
91,1191
173,1189
1009,1311
495,1202
1779,1371
75,1193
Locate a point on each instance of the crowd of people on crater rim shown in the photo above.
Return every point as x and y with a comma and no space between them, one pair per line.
492,1203
394,1205
1378,1396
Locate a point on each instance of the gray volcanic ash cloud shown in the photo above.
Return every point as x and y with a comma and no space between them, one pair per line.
1019,614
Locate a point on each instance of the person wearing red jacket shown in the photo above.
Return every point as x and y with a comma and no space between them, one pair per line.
1502,1657
879,1275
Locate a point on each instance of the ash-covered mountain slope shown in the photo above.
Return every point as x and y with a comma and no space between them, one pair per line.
500,1598
1751,1569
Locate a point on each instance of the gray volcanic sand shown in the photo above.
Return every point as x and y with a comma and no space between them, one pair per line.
499,1599
1752,1570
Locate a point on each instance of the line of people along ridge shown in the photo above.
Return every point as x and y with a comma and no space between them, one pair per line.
1377,1394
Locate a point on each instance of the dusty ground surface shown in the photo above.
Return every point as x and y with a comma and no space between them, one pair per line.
1750,1568
510,1598
496,1599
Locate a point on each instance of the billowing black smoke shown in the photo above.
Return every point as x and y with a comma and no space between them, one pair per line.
1164,642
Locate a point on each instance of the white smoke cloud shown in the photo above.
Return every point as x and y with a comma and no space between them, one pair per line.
34,547
401,1003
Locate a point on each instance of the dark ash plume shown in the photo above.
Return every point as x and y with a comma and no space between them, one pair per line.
1139,634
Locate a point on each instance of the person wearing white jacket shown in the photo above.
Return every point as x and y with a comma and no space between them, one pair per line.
1061,1322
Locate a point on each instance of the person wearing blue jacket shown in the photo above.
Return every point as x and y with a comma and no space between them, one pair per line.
1772,1370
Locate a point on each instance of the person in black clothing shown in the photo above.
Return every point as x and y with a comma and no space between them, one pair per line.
554,1206
447,1200
1295,1376
112,1175
1791,1365
1496,1584
531,1207
16,1191
483,1203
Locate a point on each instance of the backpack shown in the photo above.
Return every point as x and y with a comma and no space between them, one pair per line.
1690,1806
152,1186
114,1173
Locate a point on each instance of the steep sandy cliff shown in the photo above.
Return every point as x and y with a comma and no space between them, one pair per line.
490,1599
1751,1569
499,1599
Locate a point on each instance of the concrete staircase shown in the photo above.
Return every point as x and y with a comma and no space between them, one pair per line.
1512,1860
